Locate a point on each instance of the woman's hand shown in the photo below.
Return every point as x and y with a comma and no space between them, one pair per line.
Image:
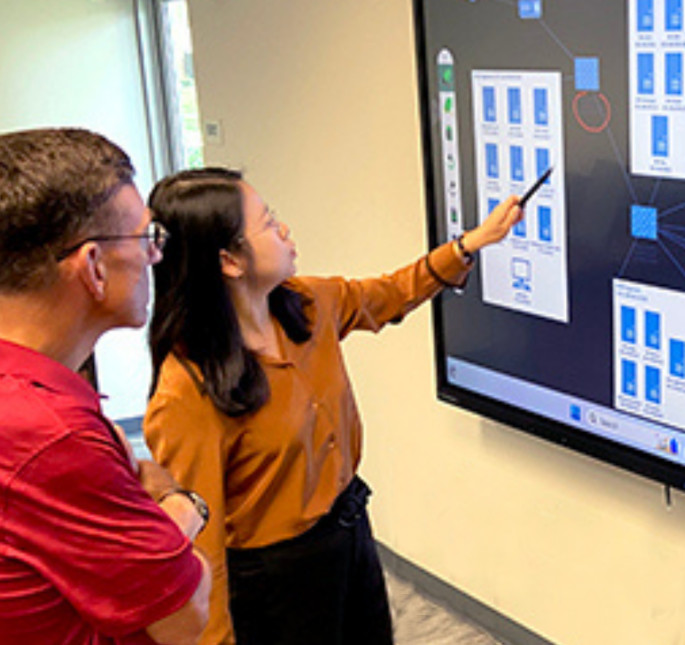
505,215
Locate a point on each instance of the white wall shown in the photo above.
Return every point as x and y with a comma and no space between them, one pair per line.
75,63
318,102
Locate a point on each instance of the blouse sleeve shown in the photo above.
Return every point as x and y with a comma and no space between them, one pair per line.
370,303
182,431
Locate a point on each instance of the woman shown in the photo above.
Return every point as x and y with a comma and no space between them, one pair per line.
252,408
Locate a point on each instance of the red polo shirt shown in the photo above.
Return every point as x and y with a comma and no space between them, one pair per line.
86,556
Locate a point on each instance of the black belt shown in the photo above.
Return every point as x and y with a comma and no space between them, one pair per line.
350,504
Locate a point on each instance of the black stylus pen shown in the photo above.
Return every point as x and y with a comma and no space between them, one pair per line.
536,186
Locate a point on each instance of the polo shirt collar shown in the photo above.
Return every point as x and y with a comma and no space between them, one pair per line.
28,364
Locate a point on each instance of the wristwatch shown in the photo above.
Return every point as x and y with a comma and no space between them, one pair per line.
199,503
467,256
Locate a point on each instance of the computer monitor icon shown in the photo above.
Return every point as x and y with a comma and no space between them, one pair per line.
521,274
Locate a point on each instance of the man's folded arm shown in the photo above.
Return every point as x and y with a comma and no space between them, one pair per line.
184,626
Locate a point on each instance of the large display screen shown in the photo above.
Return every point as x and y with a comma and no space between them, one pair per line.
573,327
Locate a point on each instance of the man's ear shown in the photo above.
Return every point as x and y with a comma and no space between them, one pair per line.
232,264
92,270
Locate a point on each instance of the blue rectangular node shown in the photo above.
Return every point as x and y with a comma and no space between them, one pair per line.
643,222
628,325
674,15
519,229
653,384
540,106
629,377
653,330
587,74
660,136
489,105
516,162
645,73
514,96
645,15
674,73
542,162
530,9
677,358
491,161
545,223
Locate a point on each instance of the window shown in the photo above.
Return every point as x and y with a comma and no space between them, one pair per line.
176,59
166,59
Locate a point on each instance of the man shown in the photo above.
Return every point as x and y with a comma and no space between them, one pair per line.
86,553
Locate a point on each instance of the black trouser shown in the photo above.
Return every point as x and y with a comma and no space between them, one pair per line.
324,587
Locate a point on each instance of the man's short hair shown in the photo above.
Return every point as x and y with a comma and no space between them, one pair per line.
53,186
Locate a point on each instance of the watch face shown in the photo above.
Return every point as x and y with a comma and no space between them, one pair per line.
200,505
467,256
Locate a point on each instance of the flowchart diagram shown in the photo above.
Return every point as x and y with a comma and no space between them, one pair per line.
649,351
518,135
657,103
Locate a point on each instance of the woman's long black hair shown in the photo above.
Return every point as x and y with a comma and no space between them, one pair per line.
193,314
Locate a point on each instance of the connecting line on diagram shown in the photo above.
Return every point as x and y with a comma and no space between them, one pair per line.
660,234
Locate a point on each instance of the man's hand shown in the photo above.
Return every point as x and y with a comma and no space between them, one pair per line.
158,482
155,480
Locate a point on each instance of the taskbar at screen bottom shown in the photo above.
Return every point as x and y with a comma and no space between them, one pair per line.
646,436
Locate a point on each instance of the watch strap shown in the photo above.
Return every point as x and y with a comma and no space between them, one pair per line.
198,502
468,257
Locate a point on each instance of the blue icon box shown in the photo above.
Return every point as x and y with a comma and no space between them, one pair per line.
674,15
542,162
540,106
645,73
520,228
652,330
643,222
628,325
489,106
674,73
587,74
629,377
514,96
521,274
545,223
516,161
660,136
491,161
530,9
652,384
645,15
677,358
574,412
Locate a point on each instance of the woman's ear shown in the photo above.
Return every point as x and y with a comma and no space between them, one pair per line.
232,264
92,270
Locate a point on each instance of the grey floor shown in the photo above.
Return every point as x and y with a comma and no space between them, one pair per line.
418,620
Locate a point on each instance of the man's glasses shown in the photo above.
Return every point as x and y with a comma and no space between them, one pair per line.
155,234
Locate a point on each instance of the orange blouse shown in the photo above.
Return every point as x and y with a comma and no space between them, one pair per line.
271,475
